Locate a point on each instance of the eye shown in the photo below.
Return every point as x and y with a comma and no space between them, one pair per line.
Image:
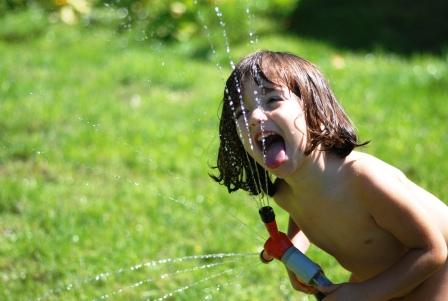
273,99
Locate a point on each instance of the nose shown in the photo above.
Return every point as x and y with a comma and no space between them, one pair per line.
257,116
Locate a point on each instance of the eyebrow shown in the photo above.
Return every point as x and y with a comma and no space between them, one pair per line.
267,90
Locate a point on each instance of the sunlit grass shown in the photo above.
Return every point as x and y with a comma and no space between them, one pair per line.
106,144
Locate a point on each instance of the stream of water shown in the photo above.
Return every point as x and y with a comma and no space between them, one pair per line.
233,264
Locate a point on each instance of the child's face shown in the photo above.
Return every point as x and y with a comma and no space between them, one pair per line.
273,127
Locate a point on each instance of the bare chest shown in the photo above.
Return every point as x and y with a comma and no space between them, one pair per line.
342,228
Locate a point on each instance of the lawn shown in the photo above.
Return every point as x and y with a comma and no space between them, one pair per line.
106,142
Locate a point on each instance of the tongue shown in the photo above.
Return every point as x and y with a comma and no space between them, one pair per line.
275,154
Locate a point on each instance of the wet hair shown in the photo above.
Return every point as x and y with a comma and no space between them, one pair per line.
327,123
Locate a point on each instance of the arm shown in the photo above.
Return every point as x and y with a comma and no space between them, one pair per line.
394,208
297,237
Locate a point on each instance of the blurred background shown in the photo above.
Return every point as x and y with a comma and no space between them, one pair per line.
109,117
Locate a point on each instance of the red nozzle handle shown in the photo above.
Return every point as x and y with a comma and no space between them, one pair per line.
278,242
276,246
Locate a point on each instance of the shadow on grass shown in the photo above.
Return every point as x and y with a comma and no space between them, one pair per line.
403,27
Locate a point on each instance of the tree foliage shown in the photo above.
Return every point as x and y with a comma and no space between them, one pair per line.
176,20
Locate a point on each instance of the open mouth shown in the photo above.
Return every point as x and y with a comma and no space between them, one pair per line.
273,148
266,140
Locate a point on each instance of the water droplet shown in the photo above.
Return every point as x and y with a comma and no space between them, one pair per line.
75,238
122,13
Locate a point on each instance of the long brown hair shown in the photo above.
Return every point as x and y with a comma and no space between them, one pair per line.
327,123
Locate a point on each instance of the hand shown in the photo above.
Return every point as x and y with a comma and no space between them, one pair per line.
265,257
299,285
343,292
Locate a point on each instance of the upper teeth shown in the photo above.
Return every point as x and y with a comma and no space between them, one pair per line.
264,136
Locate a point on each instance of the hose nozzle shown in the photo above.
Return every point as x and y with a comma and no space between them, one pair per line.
267,214
279,246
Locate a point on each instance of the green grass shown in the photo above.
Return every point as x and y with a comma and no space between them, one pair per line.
105,146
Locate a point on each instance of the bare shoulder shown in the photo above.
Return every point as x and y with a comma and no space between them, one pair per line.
372,176
388,195
367,167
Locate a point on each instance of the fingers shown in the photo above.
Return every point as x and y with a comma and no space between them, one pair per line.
300,286
304,288
265,257
328,289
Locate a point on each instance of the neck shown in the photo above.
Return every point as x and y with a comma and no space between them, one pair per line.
312,174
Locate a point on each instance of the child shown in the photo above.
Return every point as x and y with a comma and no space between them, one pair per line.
280,118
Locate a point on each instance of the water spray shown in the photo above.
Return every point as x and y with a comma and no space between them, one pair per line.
279,246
